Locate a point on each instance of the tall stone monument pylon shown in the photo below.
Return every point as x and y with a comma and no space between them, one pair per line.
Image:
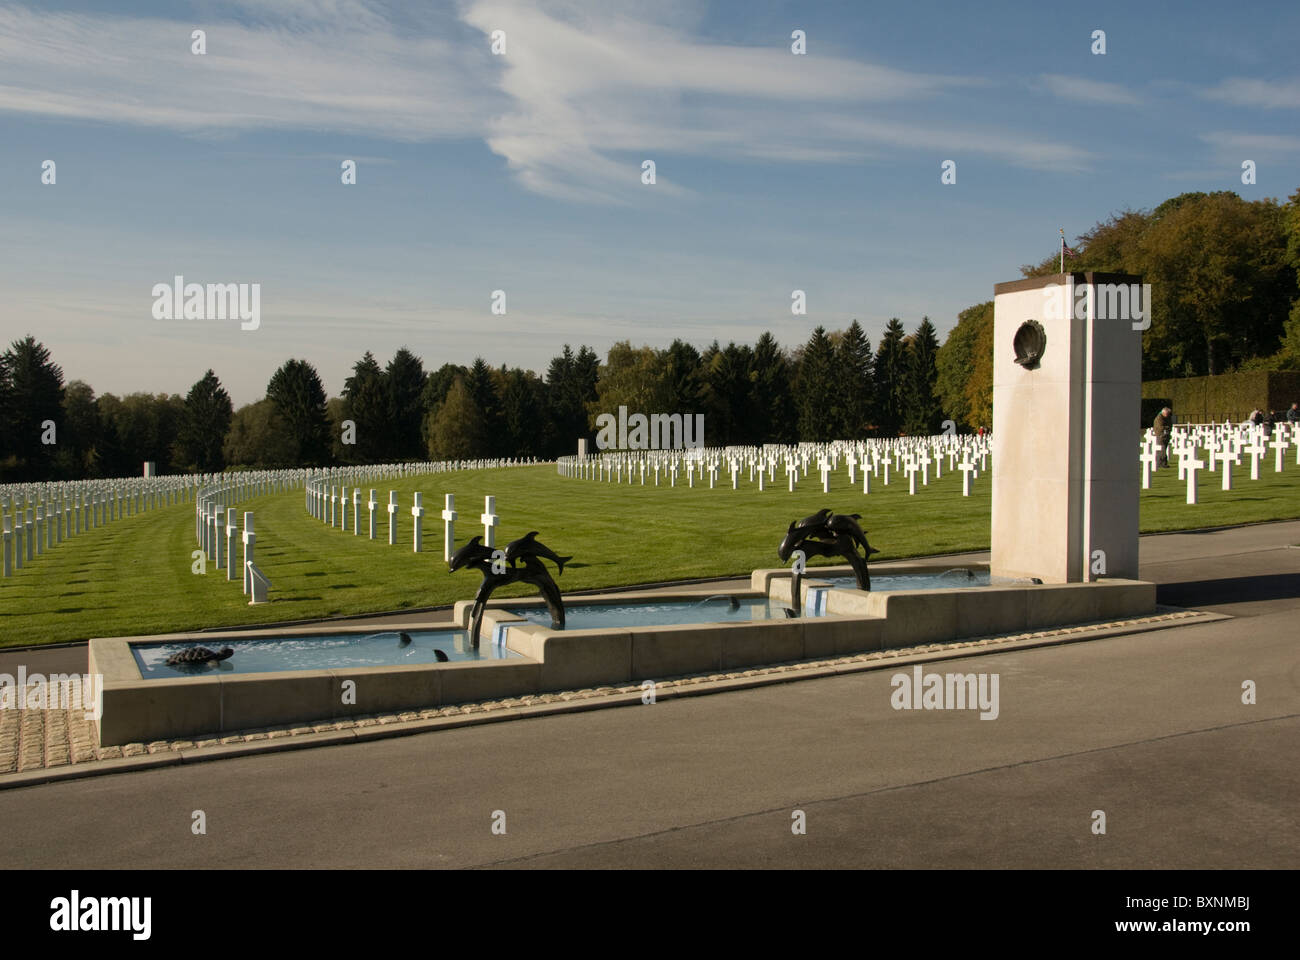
1067,387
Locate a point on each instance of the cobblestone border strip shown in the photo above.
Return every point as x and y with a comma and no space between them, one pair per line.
40,746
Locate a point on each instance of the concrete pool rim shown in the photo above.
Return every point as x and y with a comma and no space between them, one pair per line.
135,709
260,741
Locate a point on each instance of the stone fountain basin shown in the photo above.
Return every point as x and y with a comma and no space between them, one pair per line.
134,709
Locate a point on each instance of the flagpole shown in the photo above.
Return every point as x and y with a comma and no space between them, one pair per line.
1063,249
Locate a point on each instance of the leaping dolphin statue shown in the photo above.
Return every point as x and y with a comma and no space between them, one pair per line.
827,534
519,562
528,545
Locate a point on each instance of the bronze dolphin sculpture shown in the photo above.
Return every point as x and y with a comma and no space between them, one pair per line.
827,534
519,562
529,546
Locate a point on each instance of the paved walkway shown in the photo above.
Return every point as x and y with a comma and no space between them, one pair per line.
1149,728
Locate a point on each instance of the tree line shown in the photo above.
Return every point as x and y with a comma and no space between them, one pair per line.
1225,279
1225,274
833,386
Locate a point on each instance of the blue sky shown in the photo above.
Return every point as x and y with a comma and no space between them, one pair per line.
522,172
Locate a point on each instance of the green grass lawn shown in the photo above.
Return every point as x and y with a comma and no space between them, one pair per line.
134,576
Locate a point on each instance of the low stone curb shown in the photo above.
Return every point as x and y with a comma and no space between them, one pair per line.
139,756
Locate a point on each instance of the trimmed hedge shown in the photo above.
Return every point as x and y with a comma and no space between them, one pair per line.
1229,396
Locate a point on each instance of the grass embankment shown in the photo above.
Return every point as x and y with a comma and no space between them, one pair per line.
134,576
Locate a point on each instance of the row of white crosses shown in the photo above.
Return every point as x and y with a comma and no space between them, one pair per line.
215,525
916,457
328,501
327,498
36,517
1224,445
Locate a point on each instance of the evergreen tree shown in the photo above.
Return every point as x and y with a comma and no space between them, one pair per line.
404,391
365,403
568,414
729,389
31,389
774,414
586,370
482,388
8,420
854,369
571,385
204,424
109,457
80,432
683,380
147,427
526,426
295,390
891,379
817,388
923,414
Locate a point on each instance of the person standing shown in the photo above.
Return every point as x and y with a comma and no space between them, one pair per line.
1293,415
1163,427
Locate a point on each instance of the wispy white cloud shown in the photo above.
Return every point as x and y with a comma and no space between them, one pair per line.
1087,90
1262,94
1251,145
336,67
584,93
586,89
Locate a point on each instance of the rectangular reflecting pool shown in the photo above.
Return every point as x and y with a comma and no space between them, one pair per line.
649,613
325,672
947,580
379,648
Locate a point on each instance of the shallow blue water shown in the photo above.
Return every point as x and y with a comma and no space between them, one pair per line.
949,579
655,614
382,648
316,652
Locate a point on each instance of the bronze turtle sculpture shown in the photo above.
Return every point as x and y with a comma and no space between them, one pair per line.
197,655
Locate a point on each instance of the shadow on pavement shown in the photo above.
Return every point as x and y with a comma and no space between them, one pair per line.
1203,593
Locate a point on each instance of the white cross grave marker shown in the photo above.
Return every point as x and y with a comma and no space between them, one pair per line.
1278,443
489,520
1226,457
1191,466
1148,459
417,511
232,528
250,540
967,468
449,527
1256,451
